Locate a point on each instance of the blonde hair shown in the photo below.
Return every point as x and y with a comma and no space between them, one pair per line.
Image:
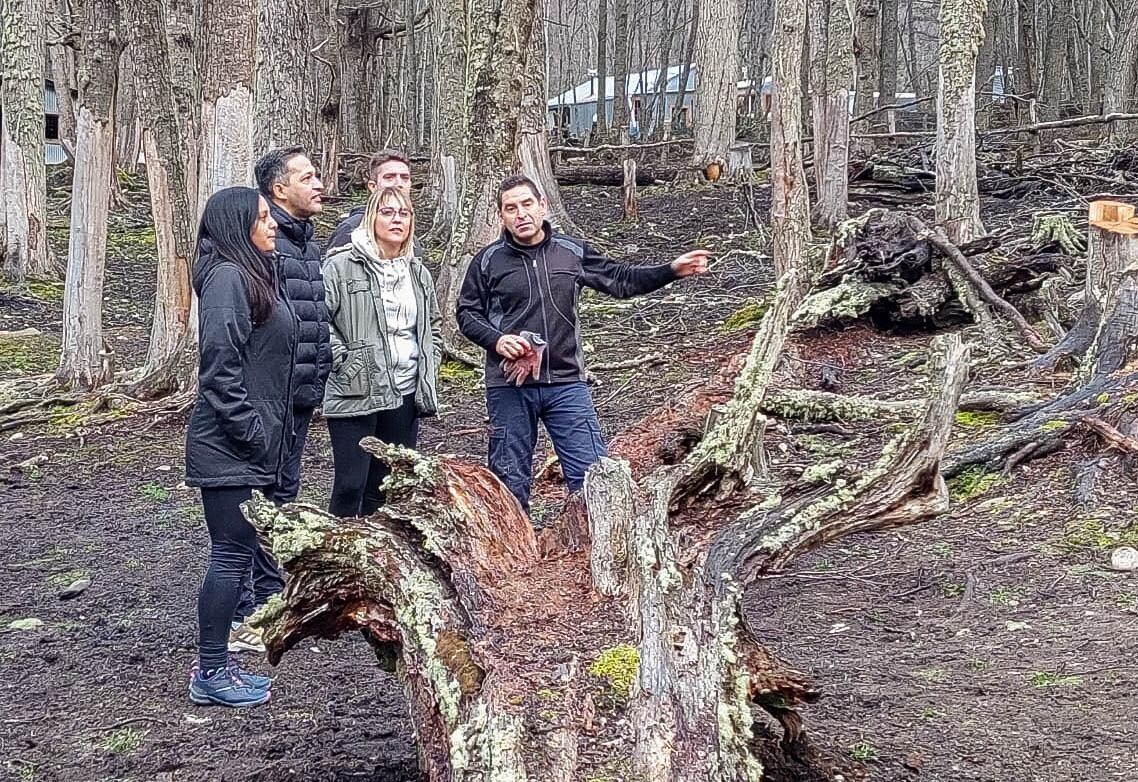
403,200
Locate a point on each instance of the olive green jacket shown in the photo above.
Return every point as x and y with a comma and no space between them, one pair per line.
362,381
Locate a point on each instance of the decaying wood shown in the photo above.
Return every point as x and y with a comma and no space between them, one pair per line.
628,191
612,176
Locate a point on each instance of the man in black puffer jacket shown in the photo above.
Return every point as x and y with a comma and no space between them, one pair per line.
288,180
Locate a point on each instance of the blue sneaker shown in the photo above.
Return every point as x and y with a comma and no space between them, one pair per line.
226,688
254,680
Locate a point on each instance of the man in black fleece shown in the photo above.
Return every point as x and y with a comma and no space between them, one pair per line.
529,281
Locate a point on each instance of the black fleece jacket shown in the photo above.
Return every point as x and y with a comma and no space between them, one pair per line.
511,287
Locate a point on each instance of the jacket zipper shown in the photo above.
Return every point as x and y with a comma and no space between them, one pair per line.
544,319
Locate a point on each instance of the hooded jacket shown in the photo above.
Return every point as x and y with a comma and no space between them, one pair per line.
299,264
510,287
342,236
363,380
241,429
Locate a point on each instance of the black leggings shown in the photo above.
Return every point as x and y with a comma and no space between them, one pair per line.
358,474
233,543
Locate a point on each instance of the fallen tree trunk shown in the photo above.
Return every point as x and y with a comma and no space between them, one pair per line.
509,656
612,176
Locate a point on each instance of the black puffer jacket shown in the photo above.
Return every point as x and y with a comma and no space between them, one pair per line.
300,269
241,427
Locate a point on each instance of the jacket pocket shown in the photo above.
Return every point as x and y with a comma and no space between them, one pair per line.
352,377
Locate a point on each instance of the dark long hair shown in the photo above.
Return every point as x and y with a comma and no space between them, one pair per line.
226,234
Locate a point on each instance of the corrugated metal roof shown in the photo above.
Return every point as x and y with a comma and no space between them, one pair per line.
50,102
53,154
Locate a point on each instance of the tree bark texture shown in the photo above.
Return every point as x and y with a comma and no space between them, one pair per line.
533,136
790,198
62,63
167,367
622,54
831,79
600,128
228,48
84,363
22,178
867,56
282,115
1121,89
957,194
183,34
717,63
887,81
1055,59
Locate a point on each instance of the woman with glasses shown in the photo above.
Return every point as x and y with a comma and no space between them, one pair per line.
386,348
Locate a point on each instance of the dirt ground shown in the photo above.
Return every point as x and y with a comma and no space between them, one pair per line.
990,644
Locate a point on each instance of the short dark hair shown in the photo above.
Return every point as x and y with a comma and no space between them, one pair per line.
273,168
385,156
517,180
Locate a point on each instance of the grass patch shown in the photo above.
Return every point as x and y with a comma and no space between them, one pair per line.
32,355
934,675
1092,534
972,483
1049,679
745,317
45,290
1127,601
1004,597
60,580
458,374
122,741
863,752
154,491
976,420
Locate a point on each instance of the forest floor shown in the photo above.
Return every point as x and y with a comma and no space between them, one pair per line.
989,644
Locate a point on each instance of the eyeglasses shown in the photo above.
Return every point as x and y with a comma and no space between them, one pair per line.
389,212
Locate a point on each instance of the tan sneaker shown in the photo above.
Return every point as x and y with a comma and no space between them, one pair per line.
246,638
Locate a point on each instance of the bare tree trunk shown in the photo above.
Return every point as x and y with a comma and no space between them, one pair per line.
183,36
685,67
887,81
1055,59
868,59
600,128
985,68
533,138
717,64
329,35
128,134
229,40
450,112
1026,81
490,132
621,56
831,78
84,361
790,198
1119,93
62,62
168,364
281,115
957,195
22,179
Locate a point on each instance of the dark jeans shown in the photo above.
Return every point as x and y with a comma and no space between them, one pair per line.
264,578
567,411
358,474
233,546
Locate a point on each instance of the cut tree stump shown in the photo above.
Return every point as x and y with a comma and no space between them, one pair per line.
505,651
628,191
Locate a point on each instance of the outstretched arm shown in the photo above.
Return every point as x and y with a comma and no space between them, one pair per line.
624,281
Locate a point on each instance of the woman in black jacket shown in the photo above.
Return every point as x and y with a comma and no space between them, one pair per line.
240,429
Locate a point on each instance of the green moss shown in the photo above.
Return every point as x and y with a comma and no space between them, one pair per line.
745,317
60,580
45,290
971,483
821,472
974,419
32,354
619,666
140,241
1054,426
154,491
1049,679
122,741
1103,398
1092,533
458,374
